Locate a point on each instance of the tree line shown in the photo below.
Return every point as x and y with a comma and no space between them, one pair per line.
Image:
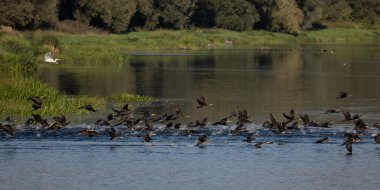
117,16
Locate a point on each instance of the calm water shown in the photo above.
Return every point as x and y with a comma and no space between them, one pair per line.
230,79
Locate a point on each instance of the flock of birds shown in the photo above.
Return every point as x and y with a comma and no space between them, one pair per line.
144,125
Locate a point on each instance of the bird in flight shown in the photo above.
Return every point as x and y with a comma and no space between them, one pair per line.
49,58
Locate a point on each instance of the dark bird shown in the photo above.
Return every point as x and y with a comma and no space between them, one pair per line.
279,127
148,126
178,112
121,112
348,144
377,138
8,129
177,125
112,133
201,102
37,103
291,116
54,126
305,119
88,132
376,125
167,117
354,136
239,128
360,126
37,118
233,114
147,138
221,122
61,120
88,107
202,139
201,123
168,125
343,95
348,117
258,145
249,137
323,140
30,121
326,124
332,111
8,119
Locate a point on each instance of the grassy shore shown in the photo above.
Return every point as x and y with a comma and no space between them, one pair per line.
14,94
20,47
112,47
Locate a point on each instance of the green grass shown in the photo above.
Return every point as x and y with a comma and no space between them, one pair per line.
14,94
110,48
125,97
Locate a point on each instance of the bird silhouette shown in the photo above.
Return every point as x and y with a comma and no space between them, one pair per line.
178,112
201,102
258,145
61,120
37,103
305,119
279,127
88,132
88,107
323,140
348,117
147,138
326,124
112,133
291,116
221,122
360,126
249,137
8,129
332,111
343,95
377,138
201,139
348,144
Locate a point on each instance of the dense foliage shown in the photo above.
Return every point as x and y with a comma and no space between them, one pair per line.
117,16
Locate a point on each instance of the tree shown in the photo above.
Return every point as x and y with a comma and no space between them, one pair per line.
336,10
365,10
28,14
235,15
204,14
114,15
175,13
287,17
312,11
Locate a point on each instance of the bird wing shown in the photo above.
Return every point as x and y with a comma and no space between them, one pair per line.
346,115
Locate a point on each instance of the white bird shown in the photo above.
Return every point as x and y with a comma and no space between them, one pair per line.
49,58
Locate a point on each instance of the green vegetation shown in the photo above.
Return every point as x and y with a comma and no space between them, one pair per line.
14,94
125,97
289,16
113,48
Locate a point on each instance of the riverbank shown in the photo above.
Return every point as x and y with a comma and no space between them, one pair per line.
14,94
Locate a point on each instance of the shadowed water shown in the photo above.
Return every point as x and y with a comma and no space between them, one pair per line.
261,82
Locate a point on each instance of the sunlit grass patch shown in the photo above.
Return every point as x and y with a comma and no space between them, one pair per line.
126,97
14,94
